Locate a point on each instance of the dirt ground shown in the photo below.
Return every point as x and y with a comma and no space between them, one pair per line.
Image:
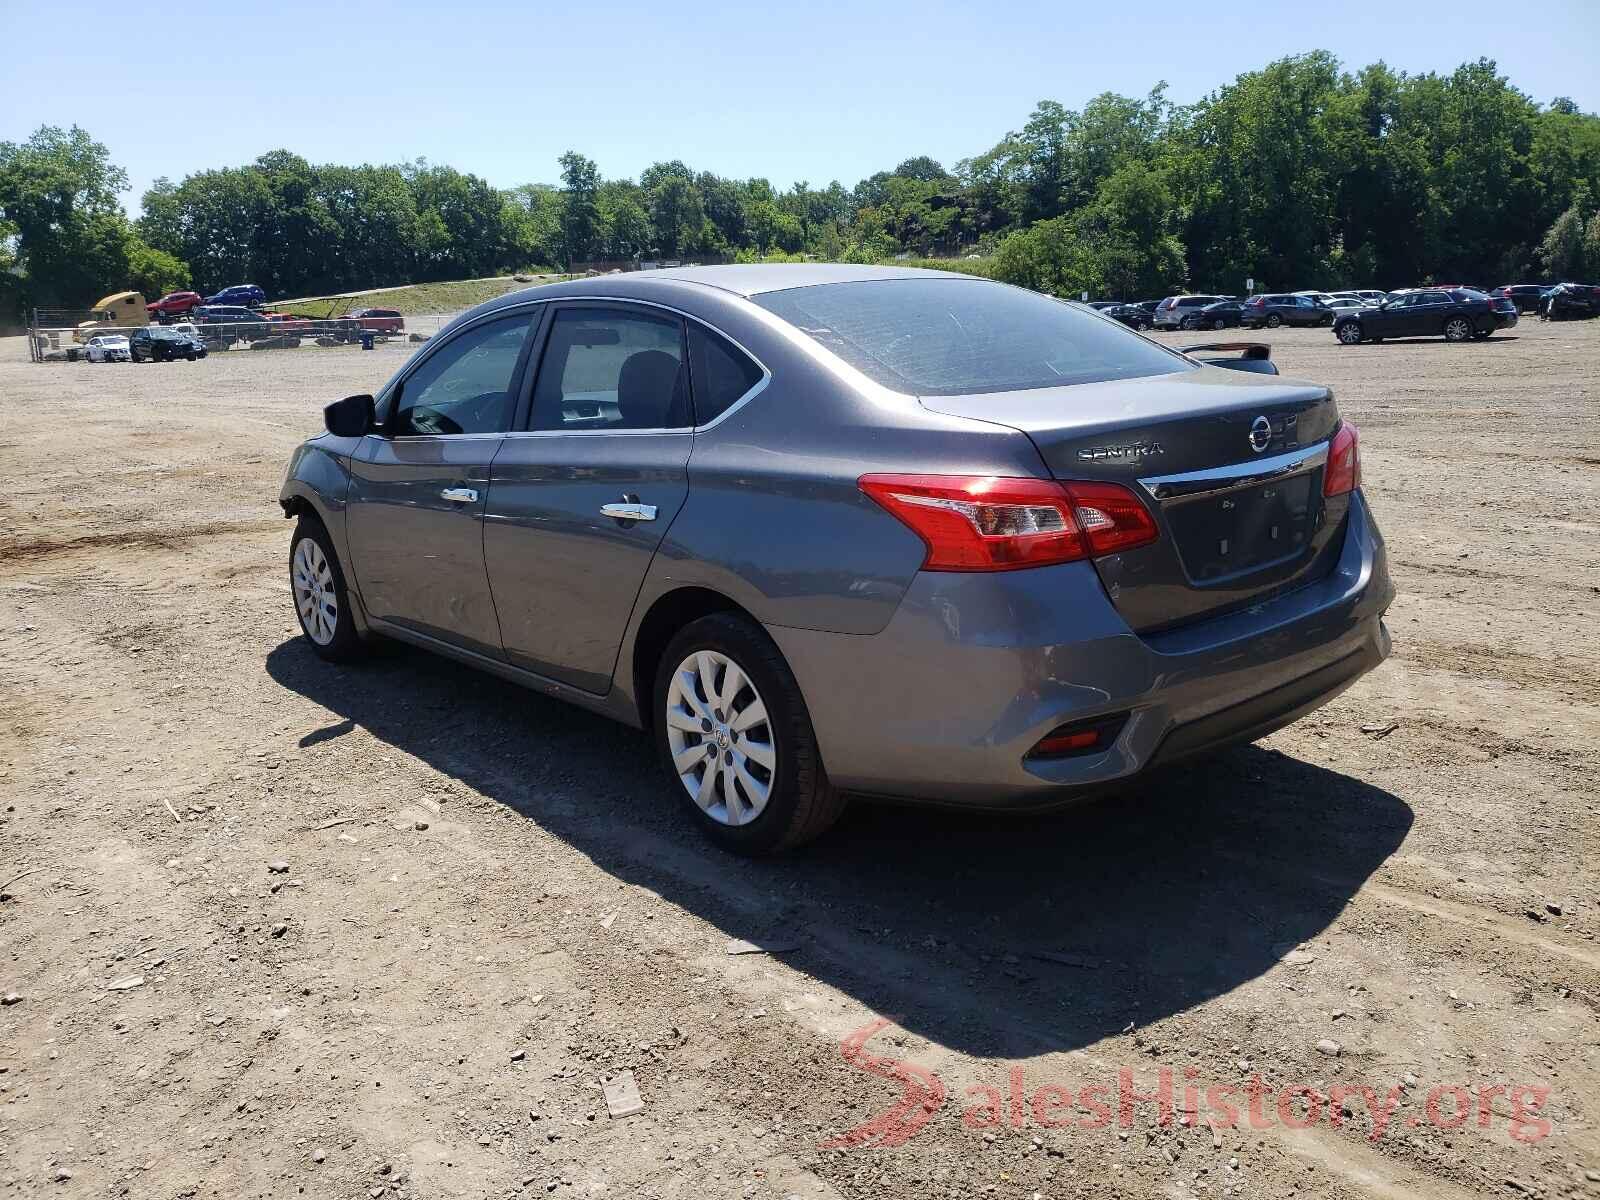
489,904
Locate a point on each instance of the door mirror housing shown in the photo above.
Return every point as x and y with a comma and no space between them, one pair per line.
351,417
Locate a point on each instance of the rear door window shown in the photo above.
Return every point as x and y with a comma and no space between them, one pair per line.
952,337
612,368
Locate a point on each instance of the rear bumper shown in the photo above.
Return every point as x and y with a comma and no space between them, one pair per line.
944,704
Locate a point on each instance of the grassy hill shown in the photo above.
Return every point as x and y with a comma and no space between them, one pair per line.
447,297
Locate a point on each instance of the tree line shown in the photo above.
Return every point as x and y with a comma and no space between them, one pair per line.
1301,174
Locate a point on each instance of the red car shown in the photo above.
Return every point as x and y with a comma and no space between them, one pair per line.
175,304
288,322
380,320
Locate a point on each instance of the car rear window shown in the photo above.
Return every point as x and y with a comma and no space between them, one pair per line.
954,337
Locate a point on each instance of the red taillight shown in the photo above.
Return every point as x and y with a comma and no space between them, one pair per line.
989,523
1343,472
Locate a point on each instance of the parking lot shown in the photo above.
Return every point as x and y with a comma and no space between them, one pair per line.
278,928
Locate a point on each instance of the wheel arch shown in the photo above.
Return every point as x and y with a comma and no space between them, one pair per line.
667,614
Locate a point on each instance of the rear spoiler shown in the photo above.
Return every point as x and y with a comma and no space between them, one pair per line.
1254,356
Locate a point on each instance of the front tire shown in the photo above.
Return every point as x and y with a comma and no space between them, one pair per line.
321,599
736,740
1273,320
1348,334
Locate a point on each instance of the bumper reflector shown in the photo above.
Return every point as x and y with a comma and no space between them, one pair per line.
1079,738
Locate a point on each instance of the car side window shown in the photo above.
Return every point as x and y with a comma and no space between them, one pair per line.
722,373
466,385
612,368
1434,298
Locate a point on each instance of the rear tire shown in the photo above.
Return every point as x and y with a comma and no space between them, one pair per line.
697,704
1457,329
321,599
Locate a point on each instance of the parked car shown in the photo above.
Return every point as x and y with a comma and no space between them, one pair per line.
162,343
1457,316
223,323
1342,304
1319,297
1275,309
107,347
288,322
1134,316
1525,296
1170,313
1570,301
1368,295
174,305
380,320
1124,555
246,294
1224,314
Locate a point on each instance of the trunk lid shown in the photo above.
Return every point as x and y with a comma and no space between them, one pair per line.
1229,463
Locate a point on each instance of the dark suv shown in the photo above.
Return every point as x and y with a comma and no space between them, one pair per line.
232,322
1275,310
1568,301
247,294
1525,296
159,344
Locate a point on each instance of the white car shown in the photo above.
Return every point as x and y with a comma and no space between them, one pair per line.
1342,302
109,347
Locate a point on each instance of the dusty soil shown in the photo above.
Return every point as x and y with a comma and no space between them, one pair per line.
490,904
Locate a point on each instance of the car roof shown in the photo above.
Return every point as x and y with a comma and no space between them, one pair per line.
743,279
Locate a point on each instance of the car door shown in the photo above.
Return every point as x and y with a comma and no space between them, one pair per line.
1425,315
418,484
583,494
1389,320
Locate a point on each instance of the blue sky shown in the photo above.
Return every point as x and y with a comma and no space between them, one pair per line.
816,91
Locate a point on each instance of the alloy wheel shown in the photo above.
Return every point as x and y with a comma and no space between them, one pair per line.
720,738
1350,334
1457,329
314,594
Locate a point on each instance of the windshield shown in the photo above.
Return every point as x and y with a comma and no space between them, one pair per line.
953,337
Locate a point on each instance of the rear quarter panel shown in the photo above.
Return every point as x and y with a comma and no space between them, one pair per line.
775,518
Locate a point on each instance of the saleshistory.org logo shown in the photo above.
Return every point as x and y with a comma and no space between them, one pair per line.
1247,1104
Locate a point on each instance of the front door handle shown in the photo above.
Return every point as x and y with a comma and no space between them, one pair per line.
629,511
460,495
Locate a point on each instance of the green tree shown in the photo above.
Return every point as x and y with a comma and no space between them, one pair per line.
580,215
68,241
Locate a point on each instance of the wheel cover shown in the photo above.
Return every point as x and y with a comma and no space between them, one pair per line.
314,596
720,738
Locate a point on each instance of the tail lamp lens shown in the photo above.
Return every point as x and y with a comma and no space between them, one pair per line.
991,523
1343,472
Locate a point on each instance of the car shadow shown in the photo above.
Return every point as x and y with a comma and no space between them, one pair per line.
991,935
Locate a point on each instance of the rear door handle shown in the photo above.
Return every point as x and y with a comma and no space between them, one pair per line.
460,495
629,511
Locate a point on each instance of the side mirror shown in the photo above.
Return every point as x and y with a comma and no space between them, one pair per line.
351,417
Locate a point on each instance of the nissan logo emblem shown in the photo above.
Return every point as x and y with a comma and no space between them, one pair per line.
1260,434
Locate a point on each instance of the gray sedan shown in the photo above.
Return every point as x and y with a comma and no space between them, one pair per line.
830,530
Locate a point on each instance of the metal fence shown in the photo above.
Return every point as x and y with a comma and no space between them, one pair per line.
64,335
